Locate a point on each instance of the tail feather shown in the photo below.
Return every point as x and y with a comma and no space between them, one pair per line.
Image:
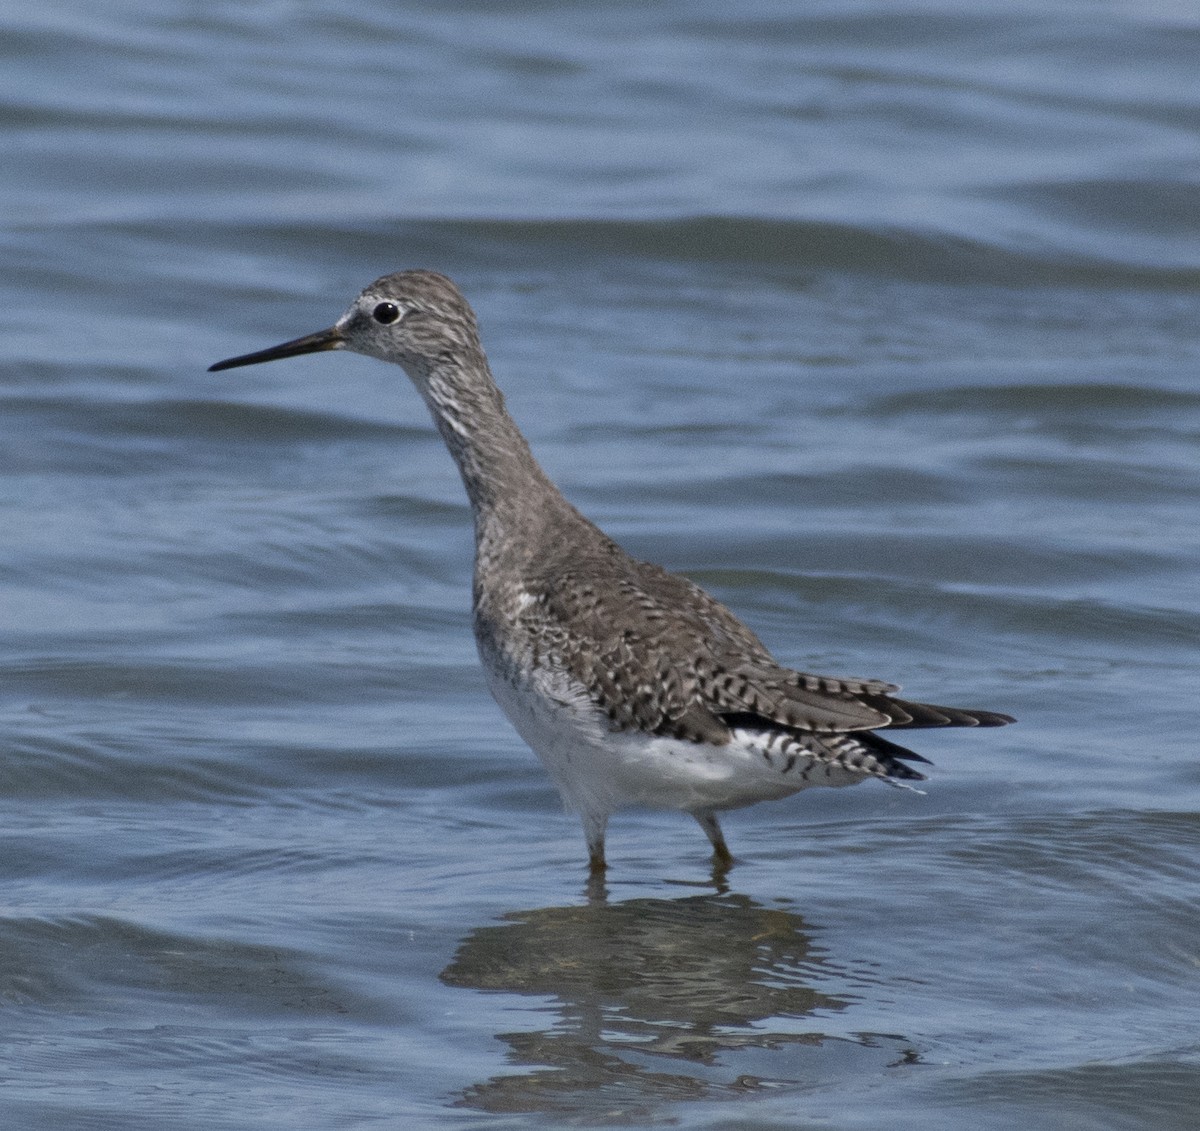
864,751
883,748
893,757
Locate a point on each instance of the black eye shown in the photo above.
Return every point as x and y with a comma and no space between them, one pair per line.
386,312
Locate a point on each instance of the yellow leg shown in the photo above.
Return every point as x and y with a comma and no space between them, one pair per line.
712,830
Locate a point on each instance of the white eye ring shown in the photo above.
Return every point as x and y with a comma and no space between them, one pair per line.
385,313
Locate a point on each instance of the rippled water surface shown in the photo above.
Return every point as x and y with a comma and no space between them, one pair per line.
881,321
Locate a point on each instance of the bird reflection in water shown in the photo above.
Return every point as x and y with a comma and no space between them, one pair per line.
657,1001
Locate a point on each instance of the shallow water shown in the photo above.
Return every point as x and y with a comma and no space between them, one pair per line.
879,322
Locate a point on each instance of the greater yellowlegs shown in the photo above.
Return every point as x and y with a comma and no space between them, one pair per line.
632,684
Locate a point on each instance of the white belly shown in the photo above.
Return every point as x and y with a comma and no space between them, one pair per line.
598,770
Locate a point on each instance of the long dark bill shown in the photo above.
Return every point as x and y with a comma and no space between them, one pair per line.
330,339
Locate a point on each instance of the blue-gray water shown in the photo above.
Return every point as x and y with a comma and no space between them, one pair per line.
882,321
